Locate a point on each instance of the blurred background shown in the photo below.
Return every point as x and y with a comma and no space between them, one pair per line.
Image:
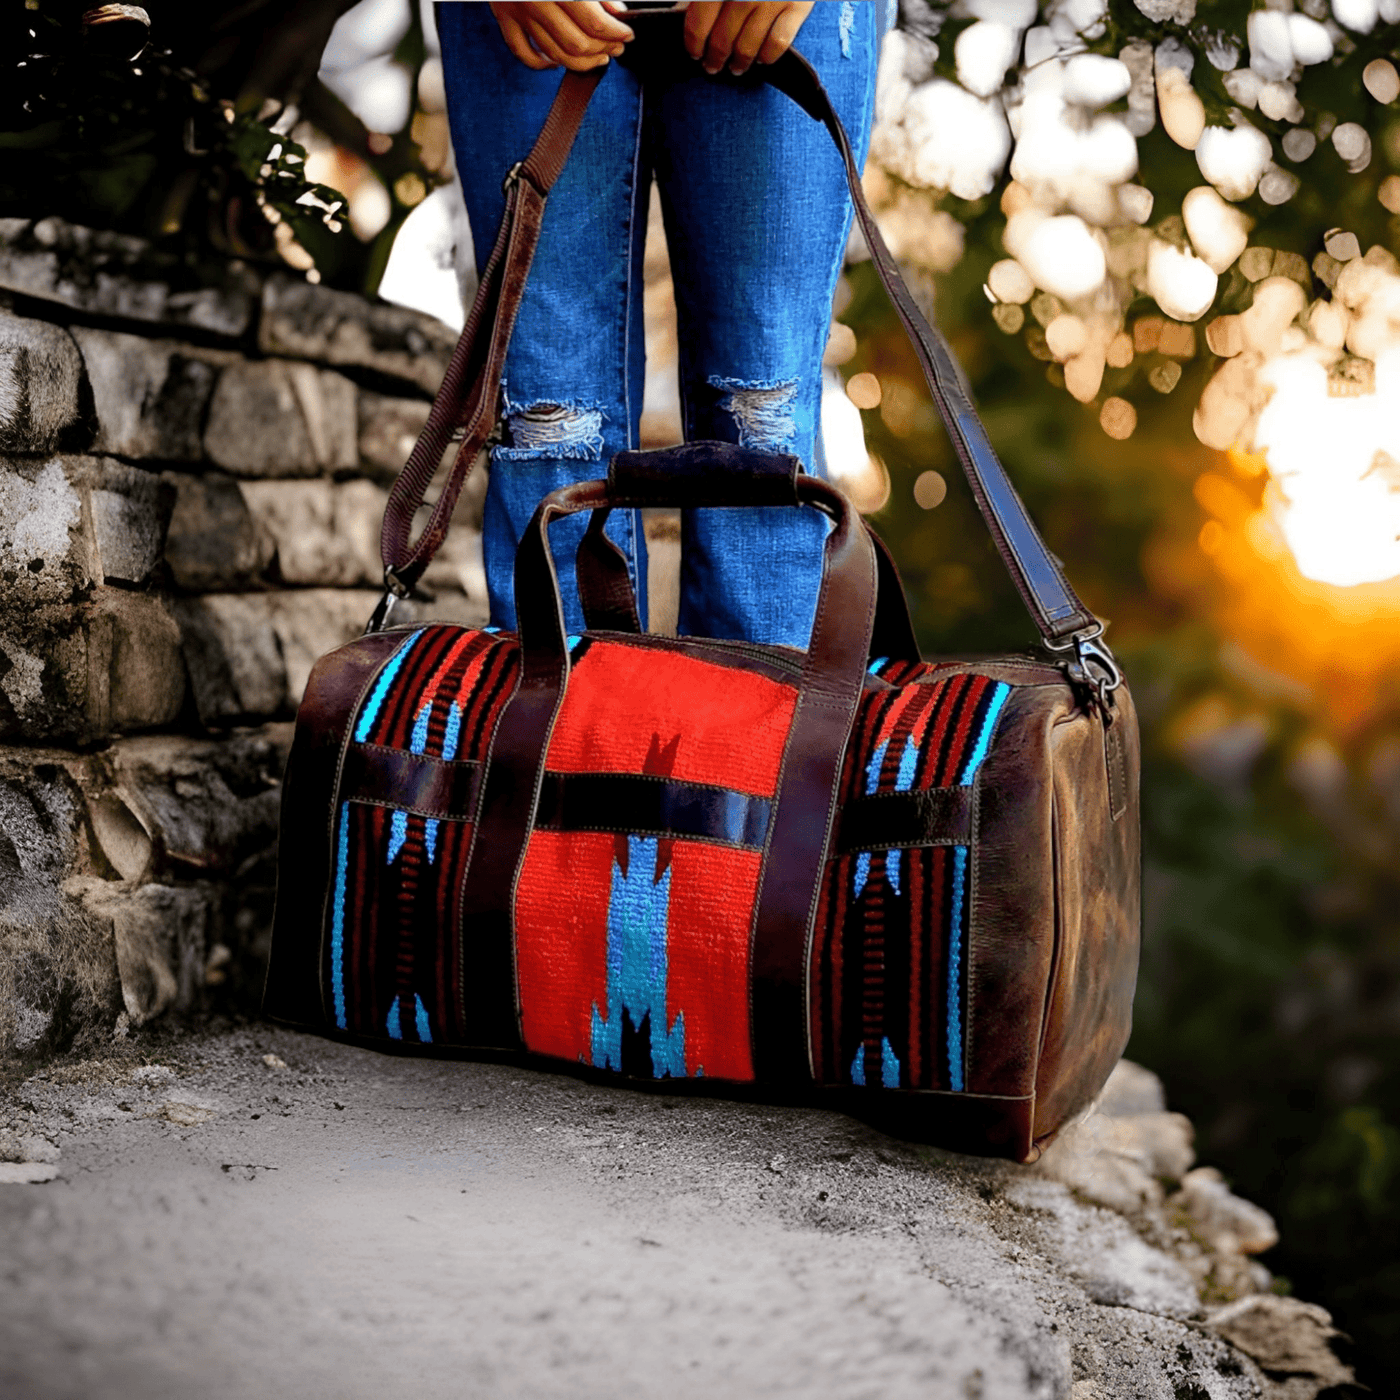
1160,235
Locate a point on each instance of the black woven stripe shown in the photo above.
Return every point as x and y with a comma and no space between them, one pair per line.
928,817
862,746
405,696
943,767
662,806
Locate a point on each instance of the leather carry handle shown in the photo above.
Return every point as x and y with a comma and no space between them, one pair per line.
539,609
713,474
468,399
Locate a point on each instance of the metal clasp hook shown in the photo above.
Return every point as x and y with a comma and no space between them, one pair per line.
1093,665
394,589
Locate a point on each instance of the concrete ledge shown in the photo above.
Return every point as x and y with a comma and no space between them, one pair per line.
263,1213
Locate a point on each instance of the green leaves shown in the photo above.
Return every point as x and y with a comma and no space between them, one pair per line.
276,168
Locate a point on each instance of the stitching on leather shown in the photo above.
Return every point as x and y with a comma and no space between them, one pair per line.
1115,761
424,758
551,773
763,871
1057,940
833,800
918,845
334,814
664,833
430,814
974,917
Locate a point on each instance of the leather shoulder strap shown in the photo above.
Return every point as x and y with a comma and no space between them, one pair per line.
1057,611
467,404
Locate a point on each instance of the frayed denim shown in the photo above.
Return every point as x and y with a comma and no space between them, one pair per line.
757,214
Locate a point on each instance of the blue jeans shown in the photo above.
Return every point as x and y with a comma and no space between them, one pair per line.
756,214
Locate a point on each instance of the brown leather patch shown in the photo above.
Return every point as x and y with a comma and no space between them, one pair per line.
410,782
1116,765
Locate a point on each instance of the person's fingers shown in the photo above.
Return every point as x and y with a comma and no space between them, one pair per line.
783,32
565,37
519,45
595,20
750,39
559,58
719,46
699,20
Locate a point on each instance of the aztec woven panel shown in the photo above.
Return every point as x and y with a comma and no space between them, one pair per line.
889,950
395,946
635,904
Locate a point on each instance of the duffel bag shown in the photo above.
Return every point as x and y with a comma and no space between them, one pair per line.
915,883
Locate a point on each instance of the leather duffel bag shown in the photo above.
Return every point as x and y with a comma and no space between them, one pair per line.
911,884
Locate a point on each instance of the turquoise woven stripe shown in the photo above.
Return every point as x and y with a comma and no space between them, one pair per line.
342,861
381,689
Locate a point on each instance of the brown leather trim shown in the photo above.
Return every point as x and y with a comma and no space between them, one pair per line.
485,906
889,820
656,805
831,685
893,633
1115,763
334,694
550,153
704,474
514,770
459,403
409,782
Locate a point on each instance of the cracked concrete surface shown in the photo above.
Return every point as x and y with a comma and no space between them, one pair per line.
262,1213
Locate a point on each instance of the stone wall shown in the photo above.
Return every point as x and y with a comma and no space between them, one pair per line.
193,468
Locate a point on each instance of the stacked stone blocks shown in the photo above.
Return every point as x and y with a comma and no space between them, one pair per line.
193,468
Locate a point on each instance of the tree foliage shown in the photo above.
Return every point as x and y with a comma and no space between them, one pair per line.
176,126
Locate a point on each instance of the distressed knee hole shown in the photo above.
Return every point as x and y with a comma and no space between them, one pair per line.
761,412
546,430
847,23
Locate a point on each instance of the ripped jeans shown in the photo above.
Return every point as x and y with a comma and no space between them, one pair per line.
756,214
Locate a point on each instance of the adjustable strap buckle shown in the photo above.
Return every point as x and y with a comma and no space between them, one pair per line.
1092,665
512,176
394,589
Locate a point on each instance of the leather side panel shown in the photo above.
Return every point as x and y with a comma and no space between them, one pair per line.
1011,914
338,681
1090,1009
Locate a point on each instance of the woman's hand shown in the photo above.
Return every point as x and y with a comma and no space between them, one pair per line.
579,35
738,34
